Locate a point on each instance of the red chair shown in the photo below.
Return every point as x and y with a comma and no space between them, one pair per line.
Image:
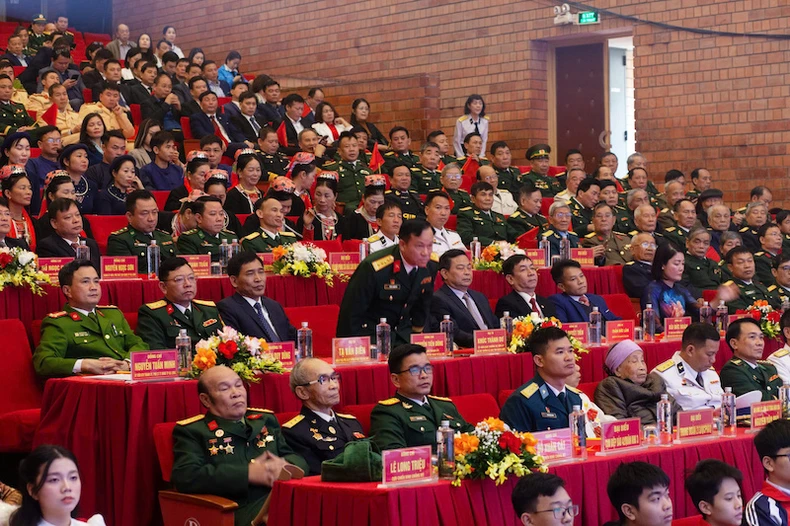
502,396
476,407
17,69
554,171
103,226
329,246
588,388
33,115
137,114
181,508
545,204
688,521
292,219
227,160
223,100
87,94
620,304
35,326
493,302
284,417
351,245
708,295
20,407
161,198
452,222
362,412
97,37
186,129
323,322
35,152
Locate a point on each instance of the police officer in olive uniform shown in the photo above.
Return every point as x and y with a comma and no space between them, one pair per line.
548,186
351,182
534,407
618,247
424,180
261,242
701,273
131,242
12,117
520,221
487,227
763,263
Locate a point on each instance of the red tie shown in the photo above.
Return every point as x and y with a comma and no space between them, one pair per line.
534,306
584,301
219,132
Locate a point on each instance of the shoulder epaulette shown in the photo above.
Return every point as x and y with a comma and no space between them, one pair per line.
629,263
389,401
156,305
205,303
188,421
260,410
781,352
761,253
485,117
190,232
442,398
389,154
515,214
374,238
548,233
590,235
464,209
58,314
106,307
292,422
772,288
662,367
671,229
287,234
415,169
121,231
163,232
736,361
346,416
529,390
383,262
744,229
252,236
462,118
573,389
434,257
763,362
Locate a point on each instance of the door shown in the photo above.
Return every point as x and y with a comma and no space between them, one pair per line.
618,107
581,106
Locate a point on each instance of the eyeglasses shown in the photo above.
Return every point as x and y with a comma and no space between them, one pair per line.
180,280
453,176
53,140
324,378
559,513
415,370
647,244
562,215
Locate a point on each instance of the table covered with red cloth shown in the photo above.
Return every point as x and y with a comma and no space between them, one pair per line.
309,501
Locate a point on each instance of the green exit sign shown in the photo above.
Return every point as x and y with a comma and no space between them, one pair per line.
589,17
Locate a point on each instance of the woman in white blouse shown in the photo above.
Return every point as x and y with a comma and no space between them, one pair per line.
328,124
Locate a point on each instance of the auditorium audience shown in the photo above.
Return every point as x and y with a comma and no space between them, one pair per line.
574,304
539,494
637,274
113,144
241,198
503,200
451,184
480,221
163,173
197,173
269,233
18,191
389,217
360,112
746,371
142,213
522,275
740,262
770,237
437,212
329,124
715,489
361,223
143,153
210,232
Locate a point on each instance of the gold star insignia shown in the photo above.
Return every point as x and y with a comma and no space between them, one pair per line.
229,449
213,450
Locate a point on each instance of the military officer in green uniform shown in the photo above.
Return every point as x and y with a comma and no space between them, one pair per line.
395,283
408,200
746,371
232,451
781,272
480,221
528,216
756,215
351,170
270,234
582,205
273,161
770,237
741,264
685,214
451,184
700,272
616,247
13,116
160,322
412,416
84,337
510,177
538,157
210,231
559,228
399,154
425,175
36,36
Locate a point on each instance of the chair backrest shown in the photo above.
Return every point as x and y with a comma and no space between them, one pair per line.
545,204
476,407
362,412
620,304
186,129
588,388
103,226
21,386
452,222
329,246
351,245
323,322
502,396
492,302
163,442
137,113
688,521
35,152
87,94
286,416
161,198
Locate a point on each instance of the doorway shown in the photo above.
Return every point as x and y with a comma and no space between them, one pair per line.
622,121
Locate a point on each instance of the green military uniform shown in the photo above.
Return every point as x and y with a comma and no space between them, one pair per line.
751,292
159,323
211,455
486,227
555,240
581,217
744,378
410,203
726,275
400,422
763,263
666,219
12,117
548,186
521,222
130,242
261,242
624,221
510,179
701,273
618,247
35,42
785,243
780,295
461,161
447,159
678,236
317,440
198,241
391,158
381,288
693,195
351,183
661,201
461,199
272,165
68,335
424,180
750,237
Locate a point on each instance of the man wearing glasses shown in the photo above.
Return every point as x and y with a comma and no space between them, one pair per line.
451,185
636,273
542,500
609,247
412,416
159,323
317,433
560,222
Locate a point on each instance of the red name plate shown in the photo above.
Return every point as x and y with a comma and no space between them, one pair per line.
118,267
584,256
674,327
621,434
411,464
733,317
344,262
268,261
619,330
490,341
351,350
154,365
434,342
580,331
555,445
695,424
283,351
537,255
51,267
763,413
200,263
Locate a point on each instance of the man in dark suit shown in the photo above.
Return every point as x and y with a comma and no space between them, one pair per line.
196,87
522,275
293,122
209,122
636,273
66,220
574,305
15,52
249,311
246,121
469,309
270,109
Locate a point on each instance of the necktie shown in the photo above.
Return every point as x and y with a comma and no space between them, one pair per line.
472,308
75,246
188,314
271,334
563,400
219,131
255,125
584,301
477,129
700,381
93,317
534,306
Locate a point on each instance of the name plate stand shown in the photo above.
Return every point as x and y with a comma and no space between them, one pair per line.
763,413
434,342
621,436
409,466
556,446
154,366
695,426
351,351
491,341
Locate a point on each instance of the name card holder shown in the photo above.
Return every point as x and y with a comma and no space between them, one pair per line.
674,327
119,267
620,436
154,366
51,267
406,467
351,351
434,342
584,256
491,341
695,426
619,330
343,262
763,413
200,263
556,446
283,351
580,331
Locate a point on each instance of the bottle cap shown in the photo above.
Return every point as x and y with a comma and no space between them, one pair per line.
224,241
382,320
705,303
445,423
577,408
304,324
665,396
474,238
182,332
82,242
235,240
153,242
506,313
446,316
649,306
595,309
728,389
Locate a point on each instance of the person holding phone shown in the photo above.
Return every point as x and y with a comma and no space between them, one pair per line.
69,76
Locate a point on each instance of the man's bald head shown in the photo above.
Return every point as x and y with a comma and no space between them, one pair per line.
222,391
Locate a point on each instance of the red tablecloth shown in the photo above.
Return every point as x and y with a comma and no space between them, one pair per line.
308,501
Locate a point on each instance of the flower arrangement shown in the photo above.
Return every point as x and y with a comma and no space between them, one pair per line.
304,259
243,354
766,316
494,255
524,326
19,268
494,451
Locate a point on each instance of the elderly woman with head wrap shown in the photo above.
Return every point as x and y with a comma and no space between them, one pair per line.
629,391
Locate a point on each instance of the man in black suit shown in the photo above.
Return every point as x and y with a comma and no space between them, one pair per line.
66,220
469,309
5,228
197,87
202,123
15,53
522,275
293,122
246,120
270,109
314,97
248,310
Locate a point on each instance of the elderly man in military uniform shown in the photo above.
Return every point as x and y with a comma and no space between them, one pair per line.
560,224
160,322
781,273
480,221
583,204
538,157
746,371
437,211
700,271
13,116
270,234
318,433
510,177
637,273
394,283
609,247
451,185
425,176
351,169
409,201
528,217
770,237
546,401
412,416
756,215
740,262
84,337
685,217
210,231
142,212
781,358
232,451
674,192
689,375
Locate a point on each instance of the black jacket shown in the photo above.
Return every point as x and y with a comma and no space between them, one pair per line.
517,306
237,313
55,246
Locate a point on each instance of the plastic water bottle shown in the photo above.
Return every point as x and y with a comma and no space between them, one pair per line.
152,259
364,249
722,318
184,350
729,421
706,313
475,247
545,246
785,304
595,327
649,323
565,248
664,420
83,251
578,424
445,450
784,396
506,322
383,339
235,247
446,327
304,342
224,254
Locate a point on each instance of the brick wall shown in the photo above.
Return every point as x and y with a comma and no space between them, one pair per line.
701,100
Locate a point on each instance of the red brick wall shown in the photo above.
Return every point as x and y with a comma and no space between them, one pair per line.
701,100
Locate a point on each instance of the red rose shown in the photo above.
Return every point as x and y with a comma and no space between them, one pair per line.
774,317
756,315
5,259
510,442
546,324
228,349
